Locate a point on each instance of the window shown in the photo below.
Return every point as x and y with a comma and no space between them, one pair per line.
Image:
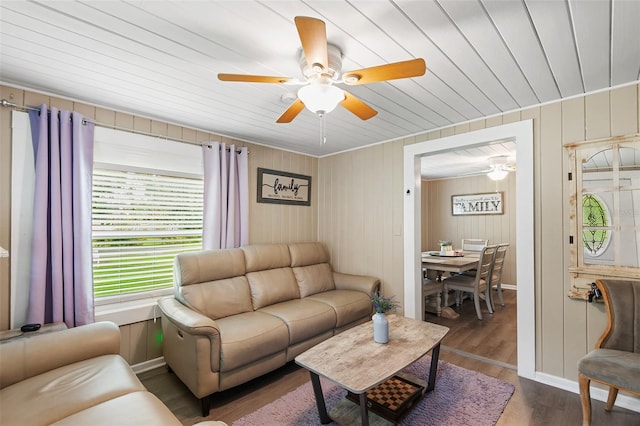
147,207
140,222
605,207
595,220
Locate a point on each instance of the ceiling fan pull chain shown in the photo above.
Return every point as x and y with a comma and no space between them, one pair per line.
323,136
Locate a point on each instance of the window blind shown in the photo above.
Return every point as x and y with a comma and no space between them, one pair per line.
140,221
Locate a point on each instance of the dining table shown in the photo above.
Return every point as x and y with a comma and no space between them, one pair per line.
457,264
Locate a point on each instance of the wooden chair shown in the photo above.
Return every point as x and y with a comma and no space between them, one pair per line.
615,361
473,244
475,285
496,271
472,247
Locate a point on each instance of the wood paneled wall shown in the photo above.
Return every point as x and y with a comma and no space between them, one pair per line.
360,212
268,222
440,224
274,223
141,341
364,230
357,207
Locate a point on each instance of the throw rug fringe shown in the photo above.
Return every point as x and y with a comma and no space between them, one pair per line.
461,397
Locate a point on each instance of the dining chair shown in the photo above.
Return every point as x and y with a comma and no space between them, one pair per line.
496,271
477,284
472,247
615,361
473,244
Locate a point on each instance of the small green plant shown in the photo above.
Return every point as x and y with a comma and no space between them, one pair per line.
445,243
383,304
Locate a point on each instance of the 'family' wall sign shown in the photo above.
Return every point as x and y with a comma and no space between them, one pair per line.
283,188
489,203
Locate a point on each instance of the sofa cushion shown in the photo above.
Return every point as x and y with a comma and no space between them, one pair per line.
612,366
136,408
272,286
259,257
37,400
208,265
314,279
248,337
22,357
304,318
349,305
218,299
303,254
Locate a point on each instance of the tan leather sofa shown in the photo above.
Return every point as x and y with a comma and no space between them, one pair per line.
75,377
240,313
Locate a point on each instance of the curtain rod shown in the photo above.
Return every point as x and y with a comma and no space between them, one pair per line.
7,104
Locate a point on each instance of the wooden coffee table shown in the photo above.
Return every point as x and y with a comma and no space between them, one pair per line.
353,361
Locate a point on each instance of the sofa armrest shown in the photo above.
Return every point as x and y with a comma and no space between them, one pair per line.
30,355
191,346
363,283
187,319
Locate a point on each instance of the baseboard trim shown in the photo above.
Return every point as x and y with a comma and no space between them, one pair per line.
626,401
479,358
148,365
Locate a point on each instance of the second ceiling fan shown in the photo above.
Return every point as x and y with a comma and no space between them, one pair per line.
321,65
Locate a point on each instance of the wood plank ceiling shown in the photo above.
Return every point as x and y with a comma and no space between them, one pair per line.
159,59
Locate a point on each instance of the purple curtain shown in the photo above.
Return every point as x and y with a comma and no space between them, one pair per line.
226,196
61,286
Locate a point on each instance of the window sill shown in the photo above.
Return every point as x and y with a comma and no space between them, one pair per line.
609,271
124,313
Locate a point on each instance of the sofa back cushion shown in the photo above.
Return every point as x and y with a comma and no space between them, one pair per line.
314,279
208,265
303,254
272,286
269,273
310,263
212,282
259,257
219,298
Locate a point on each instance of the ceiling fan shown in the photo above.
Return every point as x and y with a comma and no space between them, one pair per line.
499,167
321,65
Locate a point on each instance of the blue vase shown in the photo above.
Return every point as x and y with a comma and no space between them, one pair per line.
380,328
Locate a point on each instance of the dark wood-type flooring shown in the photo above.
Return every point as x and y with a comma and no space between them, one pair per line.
487,346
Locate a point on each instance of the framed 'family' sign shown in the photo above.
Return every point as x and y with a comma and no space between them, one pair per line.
489,203
283,188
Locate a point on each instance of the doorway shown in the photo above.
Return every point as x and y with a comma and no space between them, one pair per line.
522,134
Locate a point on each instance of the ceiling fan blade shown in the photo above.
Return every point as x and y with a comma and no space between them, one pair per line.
313,35
252,78
357,107
291,112
396,70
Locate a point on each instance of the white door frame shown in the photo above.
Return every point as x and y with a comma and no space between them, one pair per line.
522,134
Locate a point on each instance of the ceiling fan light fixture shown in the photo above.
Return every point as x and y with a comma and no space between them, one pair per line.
498,173
320,98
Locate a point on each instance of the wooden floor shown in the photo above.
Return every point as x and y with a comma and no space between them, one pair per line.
487,346
494,337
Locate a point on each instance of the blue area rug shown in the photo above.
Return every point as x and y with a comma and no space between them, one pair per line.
461,397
